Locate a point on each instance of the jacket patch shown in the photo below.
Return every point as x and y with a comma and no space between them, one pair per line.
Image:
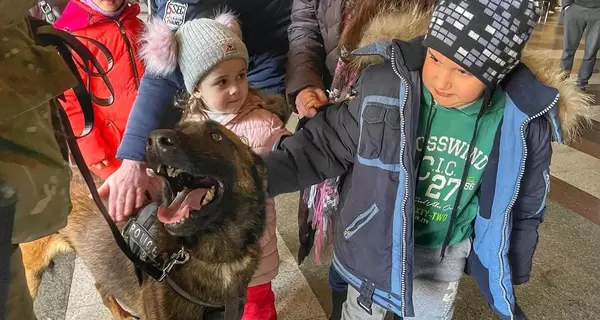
175,14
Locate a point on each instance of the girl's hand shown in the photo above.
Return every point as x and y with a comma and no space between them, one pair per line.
100,165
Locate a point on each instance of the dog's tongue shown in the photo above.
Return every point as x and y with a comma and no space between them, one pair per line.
185,201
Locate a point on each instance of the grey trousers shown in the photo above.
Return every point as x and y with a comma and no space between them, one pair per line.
578,21
435,285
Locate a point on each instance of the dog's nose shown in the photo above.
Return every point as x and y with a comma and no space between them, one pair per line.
162,140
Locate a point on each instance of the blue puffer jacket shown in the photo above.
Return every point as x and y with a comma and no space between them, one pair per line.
373,136
264,25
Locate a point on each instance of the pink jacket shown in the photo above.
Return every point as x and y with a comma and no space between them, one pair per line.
260,128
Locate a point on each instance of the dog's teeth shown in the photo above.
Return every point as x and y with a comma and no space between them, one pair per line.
176,172
150,172
187,215
213,188
159,169
208,197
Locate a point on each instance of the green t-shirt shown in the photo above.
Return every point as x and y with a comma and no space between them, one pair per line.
443,160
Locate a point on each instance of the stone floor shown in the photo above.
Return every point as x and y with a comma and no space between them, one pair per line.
566,273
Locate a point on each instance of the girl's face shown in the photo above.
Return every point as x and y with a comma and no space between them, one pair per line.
449,83
109,5
225,87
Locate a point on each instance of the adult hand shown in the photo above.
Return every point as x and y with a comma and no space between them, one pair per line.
309,100
126,188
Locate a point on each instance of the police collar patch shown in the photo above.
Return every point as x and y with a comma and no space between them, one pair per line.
175,14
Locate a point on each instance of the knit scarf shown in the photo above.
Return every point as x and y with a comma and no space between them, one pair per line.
323,199
112,15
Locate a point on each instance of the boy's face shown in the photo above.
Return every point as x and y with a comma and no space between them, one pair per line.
450,84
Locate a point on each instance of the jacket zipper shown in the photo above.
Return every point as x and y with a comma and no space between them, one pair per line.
518,187
131,55
402,127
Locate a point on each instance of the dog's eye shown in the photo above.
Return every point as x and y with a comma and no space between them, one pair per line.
217,137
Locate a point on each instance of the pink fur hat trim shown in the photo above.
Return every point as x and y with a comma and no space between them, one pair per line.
159,48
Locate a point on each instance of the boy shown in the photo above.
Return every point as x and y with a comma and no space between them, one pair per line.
447,149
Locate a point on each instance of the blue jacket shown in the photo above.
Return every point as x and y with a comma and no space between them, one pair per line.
372,139
264,24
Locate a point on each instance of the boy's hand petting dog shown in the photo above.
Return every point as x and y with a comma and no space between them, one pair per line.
309,100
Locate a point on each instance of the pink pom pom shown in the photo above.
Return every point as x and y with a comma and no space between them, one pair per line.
230,20
159,48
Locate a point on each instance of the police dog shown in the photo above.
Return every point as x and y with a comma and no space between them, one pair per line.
212,204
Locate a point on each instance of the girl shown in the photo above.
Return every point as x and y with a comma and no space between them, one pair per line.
214,62
114,24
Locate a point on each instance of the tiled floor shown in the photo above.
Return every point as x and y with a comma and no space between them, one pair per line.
566,277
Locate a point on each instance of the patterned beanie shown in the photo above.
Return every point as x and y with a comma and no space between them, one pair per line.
196,47
486,37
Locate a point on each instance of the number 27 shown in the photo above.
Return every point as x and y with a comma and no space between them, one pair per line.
438,182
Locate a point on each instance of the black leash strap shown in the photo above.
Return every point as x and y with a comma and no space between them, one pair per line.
66,43
103,102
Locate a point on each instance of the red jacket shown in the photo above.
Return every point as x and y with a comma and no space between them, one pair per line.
120,36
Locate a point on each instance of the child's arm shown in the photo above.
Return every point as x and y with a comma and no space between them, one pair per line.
323,149
152,109
528,211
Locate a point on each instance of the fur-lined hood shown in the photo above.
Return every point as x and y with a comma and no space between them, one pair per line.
410,22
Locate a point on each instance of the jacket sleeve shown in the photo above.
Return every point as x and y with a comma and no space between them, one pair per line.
306,58
92,146
530,206
152,109
324,148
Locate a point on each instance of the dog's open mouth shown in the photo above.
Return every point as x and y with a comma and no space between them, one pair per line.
185,195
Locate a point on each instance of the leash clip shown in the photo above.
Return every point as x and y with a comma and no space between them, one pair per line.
180,257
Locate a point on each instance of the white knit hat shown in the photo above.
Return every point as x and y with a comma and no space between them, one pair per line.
196,47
